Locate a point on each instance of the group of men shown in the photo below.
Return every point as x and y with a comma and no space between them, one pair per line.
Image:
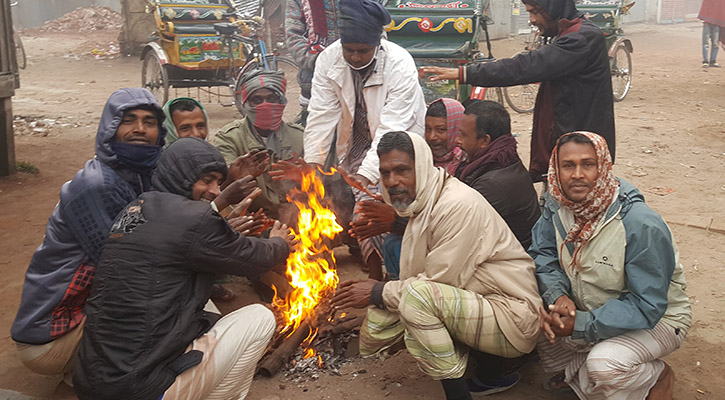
463,261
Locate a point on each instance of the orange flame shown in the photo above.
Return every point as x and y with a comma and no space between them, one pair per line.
309,353
319,362
311,276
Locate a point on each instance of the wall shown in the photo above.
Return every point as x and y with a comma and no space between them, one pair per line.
34,13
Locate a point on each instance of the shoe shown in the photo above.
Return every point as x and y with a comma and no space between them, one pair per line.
714,65
557,384
705,65
502,383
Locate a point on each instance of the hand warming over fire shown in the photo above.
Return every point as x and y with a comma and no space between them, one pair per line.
235,192
291,169
355,294
253,163
376,218
281,230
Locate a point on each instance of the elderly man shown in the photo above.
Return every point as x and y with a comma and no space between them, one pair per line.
148,335
262,132
50,319
576,86
185,117
363,86
609,271
465,281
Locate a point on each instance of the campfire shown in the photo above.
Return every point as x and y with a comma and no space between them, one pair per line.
312,278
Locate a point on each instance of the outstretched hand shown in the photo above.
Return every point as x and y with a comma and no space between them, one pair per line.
291,169
235,192
375,219
253,163
281,230
438,73
355,294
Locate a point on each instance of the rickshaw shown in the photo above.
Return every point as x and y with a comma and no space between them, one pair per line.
442,33
206,44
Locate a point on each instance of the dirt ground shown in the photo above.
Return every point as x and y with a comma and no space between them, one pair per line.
671,144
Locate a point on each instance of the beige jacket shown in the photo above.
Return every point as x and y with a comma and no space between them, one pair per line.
455,237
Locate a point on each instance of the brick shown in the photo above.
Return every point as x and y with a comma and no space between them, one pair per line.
699,222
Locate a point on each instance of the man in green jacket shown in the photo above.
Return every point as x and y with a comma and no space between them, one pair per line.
262,131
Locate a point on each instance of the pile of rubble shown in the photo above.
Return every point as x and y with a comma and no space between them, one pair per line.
85,20
36,125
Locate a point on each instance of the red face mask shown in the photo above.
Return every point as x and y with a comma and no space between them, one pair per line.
266,116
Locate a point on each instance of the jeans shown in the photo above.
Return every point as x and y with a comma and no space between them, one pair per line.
713,32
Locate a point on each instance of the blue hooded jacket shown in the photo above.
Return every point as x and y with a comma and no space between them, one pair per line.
61,271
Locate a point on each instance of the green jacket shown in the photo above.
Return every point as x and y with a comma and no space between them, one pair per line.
237,138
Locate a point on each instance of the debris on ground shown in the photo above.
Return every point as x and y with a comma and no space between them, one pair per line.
84,20
36,125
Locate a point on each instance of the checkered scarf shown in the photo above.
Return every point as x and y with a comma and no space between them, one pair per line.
455,156
589,212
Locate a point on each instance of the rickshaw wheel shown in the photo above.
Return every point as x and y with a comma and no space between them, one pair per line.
494,94
621,72
521,98
155,78
292,93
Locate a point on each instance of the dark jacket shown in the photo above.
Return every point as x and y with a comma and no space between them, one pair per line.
576,83
153,280
61,271
510,191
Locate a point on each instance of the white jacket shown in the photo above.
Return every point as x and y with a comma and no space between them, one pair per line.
392,94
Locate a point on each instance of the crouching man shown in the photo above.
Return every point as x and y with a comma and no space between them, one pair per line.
465,281
147,335
609,271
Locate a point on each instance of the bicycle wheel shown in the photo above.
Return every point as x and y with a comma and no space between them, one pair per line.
521,98
19,51
621,72
292,93
155,78
494,94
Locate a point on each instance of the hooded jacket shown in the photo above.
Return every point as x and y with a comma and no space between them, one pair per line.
630,275
61,271
154,278
576,84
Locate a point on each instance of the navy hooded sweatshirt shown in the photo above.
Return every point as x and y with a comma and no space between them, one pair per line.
61,271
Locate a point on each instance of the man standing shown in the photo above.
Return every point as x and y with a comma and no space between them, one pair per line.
363,87
494,169
609,271
185,117
465,281
262,131
50,319
147,334
576,84
310,26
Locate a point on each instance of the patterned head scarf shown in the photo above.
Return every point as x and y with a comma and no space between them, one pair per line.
455,155
266,116
590,211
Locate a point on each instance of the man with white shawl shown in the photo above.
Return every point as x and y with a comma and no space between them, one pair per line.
465,281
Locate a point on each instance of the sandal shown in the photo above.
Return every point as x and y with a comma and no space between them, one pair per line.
557,384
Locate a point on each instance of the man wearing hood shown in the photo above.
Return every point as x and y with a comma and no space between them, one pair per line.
147,334
465,281
50,319
609,271
576,84
185,117
263,131
363,86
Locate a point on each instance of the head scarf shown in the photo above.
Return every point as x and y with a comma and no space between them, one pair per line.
454,113
362,21
184,163
556,9
428,179
590,211
266,116
171,134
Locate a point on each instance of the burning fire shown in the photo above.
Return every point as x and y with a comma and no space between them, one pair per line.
310,274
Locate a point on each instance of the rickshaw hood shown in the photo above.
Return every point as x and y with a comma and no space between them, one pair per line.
120,101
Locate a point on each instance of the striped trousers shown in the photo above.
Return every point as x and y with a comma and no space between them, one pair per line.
624,367
439,324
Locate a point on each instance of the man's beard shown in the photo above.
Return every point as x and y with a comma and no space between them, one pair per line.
399,204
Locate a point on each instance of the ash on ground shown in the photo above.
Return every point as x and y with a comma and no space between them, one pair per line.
331,354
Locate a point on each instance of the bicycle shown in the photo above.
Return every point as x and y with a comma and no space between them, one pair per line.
522,98
20,58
